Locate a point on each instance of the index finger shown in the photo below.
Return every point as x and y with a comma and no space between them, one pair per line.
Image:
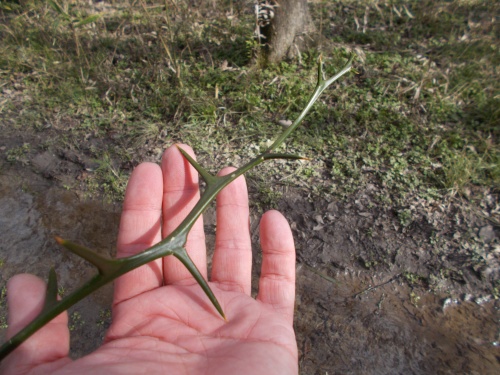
140,228
180,194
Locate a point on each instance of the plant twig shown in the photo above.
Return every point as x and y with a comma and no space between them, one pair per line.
174,244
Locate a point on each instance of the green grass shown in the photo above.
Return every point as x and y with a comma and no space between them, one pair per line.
421,117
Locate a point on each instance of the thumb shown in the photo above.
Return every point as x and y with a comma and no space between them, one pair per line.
48,347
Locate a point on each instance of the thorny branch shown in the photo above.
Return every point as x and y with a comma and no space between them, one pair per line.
174,244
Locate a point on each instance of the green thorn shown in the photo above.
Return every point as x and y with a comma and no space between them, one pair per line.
209,179
104,265
344,70
183,256
321,76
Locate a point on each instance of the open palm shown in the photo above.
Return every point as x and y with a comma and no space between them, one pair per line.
162,320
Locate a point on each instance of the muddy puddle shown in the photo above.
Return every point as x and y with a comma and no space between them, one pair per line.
349,320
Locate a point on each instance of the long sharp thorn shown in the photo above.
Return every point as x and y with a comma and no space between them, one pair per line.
321,77
183,256
104,265
344,70
202,171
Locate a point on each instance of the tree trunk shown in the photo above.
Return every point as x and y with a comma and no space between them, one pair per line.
287,34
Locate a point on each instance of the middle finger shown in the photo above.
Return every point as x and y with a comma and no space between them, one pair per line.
180,193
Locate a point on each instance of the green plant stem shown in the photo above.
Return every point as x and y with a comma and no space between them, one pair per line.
174,244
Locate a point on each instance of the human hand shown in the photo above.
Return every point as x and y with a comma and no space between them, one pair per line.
162,320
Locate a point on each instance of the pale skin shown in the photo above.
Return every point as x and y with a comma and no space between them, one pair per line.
162,321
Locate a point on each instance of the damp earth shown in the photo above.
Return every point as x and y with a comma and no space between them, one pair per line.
366,301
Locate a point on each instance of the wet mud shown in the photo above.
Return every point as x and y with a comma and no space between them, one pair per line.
364,302
353,326
33,211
